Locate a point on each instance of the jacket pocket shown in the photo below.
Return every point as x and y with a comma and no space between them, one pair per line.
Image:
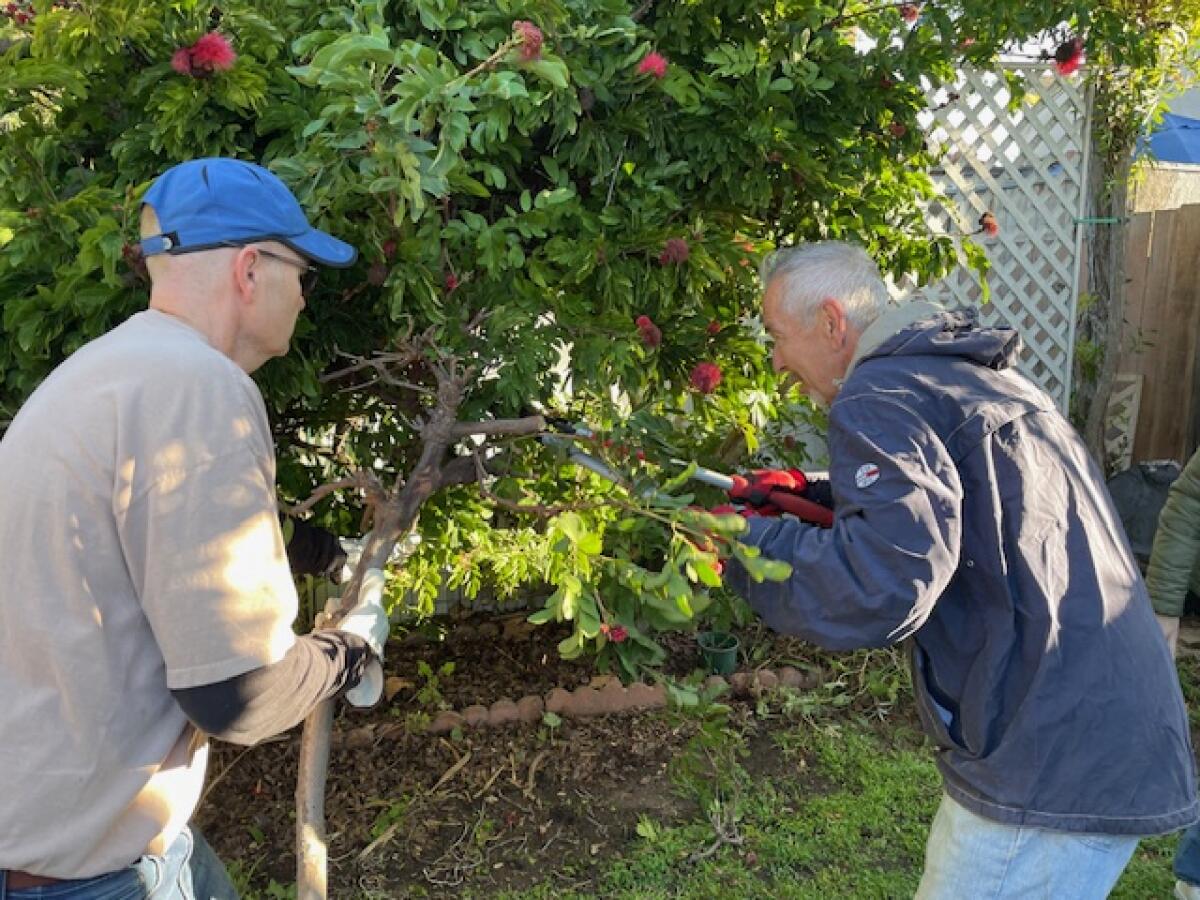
935,717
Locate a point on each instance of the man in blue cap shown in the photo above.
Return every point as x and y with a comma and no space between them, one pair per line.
149,601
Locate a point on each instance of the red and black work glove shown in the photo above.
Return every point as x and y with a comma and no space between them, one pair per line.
772,492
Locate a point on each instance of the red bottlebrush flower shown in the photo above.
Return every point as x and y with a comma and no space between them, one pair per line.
531,39
640,455
675,250
1069,56
714,327
651,333
452,281
181,61
389,249
618,634
653,63
988,225
651,336
213,53
910,12
705,377
898,129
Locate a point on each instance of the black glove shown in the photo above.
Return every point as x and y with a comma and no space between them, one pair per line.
313,551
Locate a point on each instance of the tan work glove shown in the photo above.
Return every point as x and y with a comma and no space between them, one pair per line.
1170,630
369,620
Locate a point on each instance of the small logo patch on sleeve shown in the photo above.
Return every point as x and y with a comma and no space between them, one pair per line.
867,475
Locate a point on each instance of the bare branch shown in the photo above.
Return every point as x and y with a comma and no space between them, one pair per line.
642,10
381,365
362,480
498,427
477,320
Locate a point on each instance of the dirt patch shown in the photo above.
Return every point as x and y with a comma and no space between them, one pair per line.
412,814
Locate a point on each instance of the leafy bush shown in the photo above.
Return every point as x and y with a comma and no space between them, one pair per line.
567,167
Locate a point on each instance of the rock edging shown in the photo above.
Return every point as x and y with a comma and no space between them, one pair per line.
613,697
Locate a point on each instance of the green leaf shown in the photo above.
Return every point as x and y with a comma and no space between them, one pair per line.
591,544
706,571
571,647
551,69
542,616
681,479
570,525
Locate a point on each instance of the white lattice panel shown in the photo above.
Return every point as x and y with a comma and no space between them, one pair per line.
1027,166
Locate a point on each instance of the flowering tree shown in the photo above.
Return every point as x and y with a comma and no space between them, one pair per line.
568,200
559,206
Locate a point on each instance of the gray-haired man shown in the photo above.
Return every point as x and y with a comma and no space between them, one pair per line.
971,520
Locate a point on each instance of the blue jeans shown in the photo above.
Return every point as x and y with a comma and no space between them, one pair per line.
189,870
1187,856
969,857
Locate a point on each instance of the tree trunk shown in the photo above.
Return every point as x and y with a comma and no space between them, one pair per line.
394,520
312,864
1101,322
394,517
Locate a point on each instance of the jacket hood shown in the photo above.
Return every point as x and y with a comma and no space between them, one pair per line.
925,329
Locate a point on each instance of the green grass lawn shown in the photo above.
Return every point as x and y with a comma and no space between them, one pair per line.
845,814
863,836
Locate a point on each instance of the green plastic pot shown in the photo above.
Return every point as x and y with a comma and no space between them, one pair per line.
720,651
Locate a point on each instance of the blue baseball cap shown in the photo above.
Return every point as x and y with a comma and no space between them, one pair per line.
218,202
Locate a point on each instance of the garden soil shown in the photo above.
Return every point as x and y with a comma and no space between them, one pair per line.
413,814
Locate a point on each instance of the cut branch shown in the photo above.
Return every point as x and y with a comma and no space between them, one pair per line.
500,427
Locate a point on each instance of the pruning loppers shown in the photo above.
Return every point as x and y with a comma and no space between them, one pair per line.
777,490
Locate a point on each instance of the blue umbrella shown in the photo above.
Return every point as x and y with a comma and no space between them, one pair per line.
1177,139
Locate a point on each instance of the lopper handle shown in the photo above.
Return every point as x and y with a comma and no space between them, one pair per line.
801,508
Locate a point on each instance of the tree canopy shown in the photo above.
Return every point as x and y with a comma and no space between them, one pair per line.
571,197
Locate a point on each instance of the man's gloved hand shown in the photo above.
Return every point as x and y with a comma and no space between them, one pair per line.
755,490
813,503
1170,630
313,551
369,620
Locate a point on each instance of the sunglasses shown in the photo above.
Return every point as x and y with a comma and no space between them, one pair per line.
170,245
308,280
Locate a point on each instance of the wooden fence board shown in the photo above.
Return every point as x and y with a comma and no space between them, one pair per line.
1162,330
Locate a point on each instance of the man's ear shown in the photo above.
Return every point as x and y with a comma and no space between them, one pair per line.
247,270
834,324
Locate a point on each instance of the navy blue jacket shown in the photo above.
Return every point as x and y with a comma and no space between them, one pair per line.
971,519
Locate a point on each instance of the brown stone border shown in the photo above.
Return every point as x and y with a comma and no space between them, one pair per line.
613,697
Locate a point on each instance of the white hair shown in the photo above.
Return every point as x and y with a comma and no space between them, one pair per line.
826,270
